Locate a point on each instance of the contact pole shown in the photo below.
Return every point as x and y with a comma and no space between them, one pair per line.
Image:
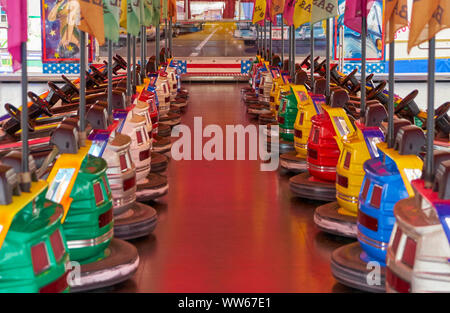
363,62
26,181
265,40
143,45
328,56
390,134
134,64
257,39
429,164
282,40
110,60
158,42
82,85
129,66
166,38
311,26
170,38
270,42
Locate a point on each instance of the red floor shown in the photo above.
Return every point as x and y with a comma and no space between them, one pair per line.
225,226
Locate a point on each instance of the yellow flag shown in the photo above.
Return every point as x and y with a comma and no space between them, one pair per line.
422,12
91,20
395,17
441,18
123,14
276,7
302,12
259,11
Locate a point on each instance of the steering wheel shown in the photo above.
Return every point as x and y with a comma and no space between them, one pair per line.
377,90
348,77
14,113
41,103
92,79
120,61
305,61
58,92
442,119
406,102
70,84
96,72
320,65
357,88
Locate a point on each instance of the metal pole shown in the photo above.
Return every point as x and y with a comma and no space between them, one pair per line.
294,42
363,63
158,40
390,134
270,42
265,40
110,60
282,40
430,113
143,45
128,65
292,57
24,120
166,38
82,83
257,39
290,49
328,56
170,38
134,63
311,26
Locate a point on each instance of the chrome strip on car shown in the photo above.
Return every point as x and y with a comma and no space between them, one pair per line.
346,198
321,168
286,131
76,244
372,242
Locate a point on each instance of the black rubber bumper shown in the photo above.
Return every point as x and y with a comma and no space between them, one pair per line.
349,269
302,186
328,219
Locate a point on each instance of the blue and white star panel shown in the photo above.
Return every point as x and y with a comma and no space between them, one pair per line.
376,68
219,66
61,68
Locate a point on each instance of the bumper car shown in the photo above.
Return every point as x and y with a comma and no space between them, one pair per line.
308,106
339,217
280,85
166,117
418,254
33,249
263,105
387,180
324,148
78,182
131,219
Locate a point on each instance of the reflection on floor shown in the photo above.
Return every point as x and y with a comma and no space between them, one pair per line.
225,226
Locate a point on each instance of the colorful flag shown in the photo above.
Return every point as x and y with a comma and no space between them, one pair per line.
91,20
395,17
428,18
288,12
353,13
111,17
323,9
276,7
302,12
156,12
134,17
123,14
16,12
147,12
259,11
164,8
172,10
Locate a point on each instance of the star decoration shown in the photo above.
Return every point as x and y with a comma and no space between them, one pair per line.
56,55
70,48
52,33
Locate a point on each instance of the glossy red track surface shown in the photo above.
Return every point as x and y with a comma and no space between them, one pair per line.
225,226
